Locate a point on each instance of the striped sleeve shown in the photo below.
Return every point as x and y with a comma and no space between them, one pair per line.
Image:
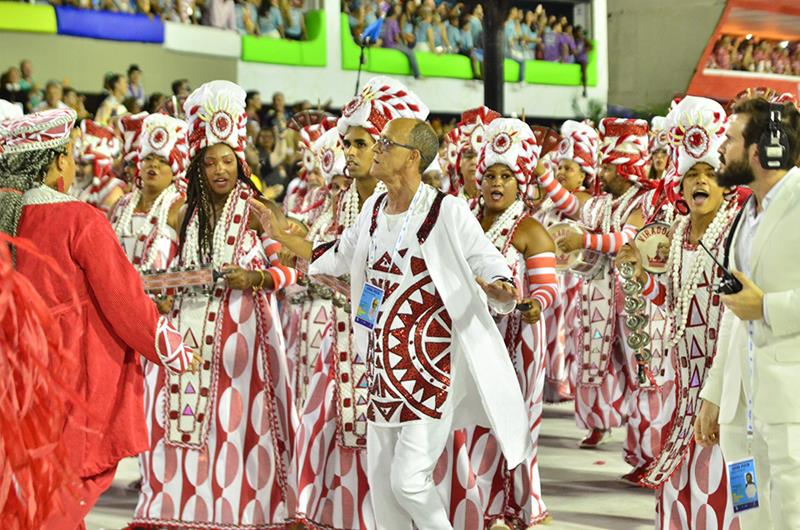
271,249
562,199
609,243
654,290
542,280
282,276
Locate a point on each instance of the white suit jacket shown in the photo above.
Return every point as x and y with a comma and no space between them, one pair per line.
455,252
775,265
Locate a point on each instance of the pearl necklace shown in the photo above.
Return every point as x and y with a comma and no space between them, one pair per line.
607,211
191,248
683,291
348,212
156,222
502,232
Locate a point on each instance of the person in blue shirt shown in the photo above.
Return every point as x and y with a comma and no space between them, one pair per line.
295,24
424,31
453,32
271,21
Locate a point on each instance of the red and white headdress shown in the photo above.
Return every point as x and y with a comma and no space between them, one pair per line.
308,136
216,115
130,127
659,130
329,150
32,132
580,143
9,110
98,145
166,137
472,127
624,144
697,131
510,142
381,100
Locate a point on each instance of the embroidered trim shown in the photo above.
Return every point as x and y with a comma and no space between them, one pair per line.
430,220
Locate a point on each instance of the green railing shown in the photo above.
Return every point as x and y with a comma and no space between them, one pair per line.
311,52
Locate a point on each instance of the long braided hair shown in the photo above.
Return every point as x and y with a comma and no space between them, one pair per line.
20,172
198,199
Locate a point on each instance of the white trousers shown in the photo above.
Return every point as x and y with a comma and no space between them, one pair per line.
776,449
400,463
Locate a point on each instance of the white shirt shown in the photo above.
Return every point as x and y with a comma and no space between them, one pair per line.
749,223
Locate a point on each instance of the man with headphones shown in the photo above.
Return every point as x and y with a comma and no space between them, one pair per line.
751,398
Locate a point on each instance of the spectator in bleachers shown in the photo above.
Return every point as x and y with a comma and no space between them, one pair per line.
550,43
220,14
73,100
567,45
295,28
252,106
582,48
440,42
452,29
135,87
391,37
154,102
112,107
11,87
423,33
271,20
512,41
278,116
476,23
181,88
407,23
247,17
28,84
53,94
755,55
530,38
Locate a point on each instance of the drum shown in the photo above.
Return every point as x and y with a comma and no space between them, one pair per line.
583,262
653,242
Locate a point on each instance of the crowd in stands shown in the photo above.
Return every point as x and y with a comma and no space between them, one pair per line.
752,54
441,26
272,144
267,18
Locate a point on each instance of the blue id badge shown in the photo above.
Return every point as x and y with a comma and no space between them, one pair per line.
742,480
369,305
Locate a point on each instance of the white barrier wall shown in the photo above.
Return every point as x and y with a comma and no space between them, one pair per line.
202,40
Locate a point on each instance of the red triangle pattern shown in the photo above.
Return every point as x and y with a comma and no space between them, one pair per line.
695,316
695,352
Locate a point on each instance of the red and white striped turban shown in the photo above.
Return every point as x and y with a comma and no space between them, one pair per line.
580,143
510,142
624,144
98,145
472,127
33,132
697,131
166,137
216,115
382,100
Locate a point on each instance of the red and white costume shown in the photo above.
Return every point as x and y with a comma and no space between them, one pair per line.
690,481
515,497
114,322
330,461
470,133
99,146
150,243
220,438
301,202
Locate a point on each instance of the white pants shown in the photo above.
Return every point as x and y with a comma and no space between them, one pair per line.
776,449
400,463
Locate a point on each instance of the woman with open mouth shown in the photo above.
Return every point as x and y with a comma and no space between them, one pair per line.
505,169
690,479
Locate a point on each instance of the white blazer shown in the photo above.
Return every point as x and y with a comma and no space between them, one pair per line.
455,252
775,264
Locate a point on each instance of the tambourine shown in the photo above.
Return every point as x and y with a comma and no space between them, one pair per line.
653,242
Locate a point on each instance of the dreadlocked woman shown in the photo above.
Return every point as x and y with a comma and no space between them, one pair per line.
103,314
219,456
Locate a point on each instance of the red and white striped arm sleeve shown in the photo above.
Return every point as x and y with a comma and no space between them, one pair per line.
542,279
654,290
170,348
609,243
271,249
282,276
562,198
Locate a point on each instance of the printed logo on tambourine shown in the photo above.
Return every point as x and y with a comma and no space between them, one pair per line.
564,260
653,242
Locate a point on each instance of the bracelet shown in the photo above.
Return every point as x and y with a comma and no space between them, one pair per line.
260,285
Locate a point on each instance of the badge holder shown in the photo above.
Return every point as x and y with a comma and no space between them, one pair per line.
369,306
743,485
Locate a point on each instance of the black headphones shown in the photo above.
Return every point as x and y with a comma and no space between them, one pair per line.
773,146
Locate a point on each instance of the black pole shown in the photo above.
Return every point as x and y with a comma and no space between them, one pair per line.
494,14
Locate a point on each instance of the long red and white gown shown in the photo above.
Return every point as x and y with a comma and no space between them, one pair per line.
561,322
652,404
514,497
329,466
221,438
691,481
604,369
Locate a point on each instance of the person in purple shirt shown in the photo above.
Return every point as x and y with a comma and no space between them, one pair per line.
391,37
567,45
550,42
582,48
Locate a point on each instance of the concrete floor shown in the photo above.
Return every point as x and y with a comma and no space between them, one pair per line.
581,488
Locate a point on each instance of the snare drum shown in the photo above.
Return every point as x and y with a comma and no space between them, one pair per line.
583,262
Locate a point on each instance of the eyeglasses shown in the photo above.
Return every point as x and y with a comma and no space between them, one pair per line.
387,144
